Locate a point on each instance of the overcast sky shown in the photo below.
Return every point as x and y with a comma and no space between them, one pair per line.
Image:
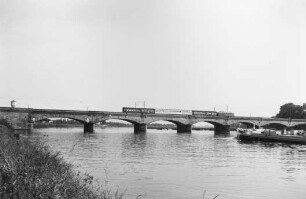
186,54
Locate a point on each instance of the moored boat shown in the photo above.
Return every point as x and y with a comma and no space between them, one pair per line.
271,136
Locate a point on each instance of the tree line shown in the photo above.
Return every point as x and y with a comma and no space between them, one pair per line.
293,111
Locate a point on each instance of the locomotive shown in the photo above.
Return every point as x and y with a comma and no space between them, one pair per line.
176,112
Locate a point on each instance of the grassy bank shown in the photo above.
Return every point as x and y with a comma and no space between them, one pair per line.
31,170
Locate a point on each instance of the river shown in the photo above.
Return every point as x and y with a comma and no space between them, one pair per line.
164,164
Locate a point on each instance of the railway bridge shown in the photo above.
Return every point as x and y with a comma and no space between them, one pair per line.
24,118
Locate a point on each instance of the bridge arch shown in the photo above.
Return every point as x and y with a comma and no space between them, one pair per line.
219,127
139,127
201,125
171,121
299,127
164,123
177,121
120,119
180,126
44,118
247,124
182,123
275,125
88,125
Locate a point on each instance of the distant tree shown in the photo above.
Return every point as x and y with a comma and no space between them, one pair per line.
291,110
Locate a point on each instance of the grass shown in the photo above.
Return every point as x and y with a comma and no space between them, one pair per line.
32,170
205,193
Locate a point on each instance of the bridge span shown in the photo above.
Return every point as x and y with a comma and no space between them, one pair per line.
24,118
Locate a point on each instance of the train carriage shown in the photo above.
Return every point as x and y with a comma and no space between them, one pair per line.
148,110
173,111
138,110
204,113
226,114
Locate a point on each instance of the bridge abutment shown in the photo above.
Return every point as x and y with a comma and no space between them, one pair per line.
89,127
184,128
140,128
222,128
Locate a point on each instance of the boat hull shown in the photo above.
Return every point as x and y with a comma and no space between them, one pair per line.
273,138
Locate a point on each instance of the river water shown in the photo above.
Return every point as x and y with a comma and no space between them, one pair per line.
164,164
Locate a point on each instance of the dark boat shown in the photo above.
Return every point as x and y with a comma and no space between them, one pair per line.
271,136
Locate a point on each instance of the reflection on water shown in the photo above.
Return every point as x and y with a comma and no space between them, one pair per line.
164,164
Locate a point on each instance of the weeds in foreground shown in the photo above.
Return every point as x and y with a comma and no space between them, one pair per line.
205,193
31,170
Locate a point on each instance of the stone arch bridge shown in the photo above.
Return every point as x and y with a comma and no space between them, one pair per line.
23,118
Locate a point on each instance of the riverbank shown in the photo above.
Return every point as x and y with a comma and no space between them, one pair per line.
31,170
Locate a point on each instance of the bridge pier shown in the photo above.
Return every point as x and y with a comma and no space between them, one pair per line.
89,127
140,128
184,128
222,128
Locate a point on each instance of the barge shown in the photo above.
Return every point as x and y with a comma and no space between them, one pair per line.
271,136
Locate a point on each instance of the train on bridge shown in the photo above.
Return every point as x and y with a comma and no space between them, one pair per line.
175,112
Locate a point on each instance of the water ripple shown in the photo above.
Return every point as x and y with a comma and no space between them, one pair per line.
164,164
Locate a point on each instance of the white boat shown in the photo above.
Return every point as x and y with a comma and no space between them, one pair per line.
250,131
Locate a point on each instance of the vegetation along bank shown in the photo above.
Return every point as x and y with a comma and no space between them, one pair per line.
31,170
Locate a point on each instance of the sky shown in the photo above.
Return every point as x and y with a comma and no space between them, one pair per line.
244,56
